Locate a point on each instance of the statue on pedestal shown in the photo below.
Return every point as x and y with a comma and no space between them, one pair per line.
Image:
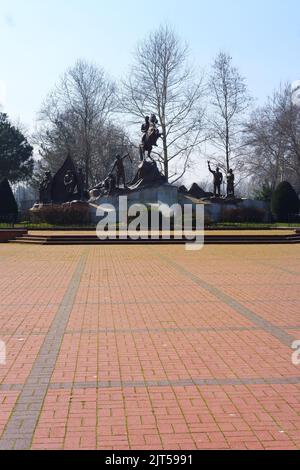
120,170
230,184
70,183
46,189
218,180
150,137
81,184
65,186
145,128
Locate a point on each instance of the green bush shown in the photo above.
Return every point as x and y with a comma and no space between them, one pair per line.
61,215
264,193
243,215
8,205
285,203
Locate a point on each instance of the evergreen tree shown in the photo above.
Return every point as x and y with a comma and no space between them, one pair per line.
285,202
16,161
8,205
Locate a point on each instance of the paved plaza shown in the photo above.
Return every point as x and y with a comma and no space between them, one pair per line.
149,347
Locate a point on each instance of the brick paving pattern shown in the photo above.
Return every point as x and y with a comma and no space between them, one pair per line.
140,347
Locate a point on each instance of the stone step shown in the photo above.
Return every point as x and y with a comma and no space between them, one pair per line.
209,239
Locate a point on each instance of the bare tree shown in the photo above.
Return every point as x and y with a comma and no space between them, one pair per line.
272,138
290,125
75,116
161,82
229,102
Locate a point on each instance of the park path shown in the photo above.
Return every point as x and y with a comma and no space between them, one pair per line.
116,347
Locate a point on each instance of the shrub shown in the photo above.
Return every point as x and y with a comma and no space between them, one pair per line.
63,215
243,215
264,193
8,205
285,203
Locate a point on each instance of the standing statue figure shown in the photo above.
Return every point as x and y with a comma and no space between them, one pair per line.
81,184
46,188
120,170
109,184
70,182
230,184
218,180
151,135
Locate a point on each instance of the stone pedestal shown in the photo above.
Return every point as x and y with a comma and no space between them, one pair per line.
231,210
157,195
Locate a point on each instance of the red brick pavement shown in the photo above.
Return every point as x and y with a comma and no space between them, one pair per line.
149,348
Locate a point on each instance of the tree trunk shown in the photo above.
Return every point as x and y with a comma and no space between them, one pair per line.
165,149
227,148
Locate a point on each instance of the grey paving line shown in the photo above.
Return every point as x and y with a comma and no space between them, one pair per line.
176,383
140,331
159,383
21,334
25,334
160,330
20,428
109,302
11,387
274,330
150,302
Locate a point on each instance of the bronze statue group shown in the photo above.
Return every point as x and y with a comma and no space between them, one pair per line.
218,181
74,182
74,186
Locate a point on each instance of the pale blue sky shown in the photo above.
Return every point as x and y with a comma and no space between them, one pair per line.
41,38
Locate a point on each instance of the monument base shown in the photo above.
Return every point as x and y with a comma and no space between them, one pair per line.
157,195
234,210
216,210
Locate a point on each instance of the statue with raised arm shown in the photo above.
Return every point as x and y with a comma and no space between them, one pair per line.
218,180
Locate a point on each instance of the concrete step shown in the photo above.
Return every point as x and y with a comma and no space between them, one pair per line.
209,239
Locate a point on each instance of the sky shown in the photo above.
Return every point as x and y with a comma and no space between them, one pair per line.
40,39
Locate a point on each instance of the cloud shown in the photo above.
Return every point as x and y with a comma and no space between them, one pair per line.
9,20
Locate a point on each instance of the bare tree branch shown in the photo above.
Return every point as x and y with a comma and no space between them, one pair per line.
229,102
161,81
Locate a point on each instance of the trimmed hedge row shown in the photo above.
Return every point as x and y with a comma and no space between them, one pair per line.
64,215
